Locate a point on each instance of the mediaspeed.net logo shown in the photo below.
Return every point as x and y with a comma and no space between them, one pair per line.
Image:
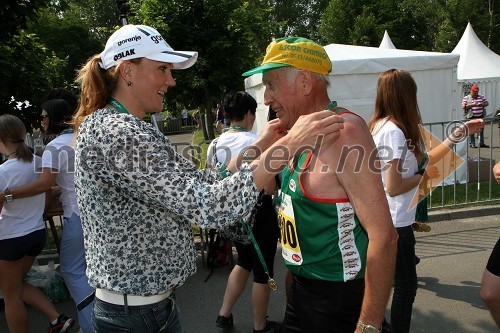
446,165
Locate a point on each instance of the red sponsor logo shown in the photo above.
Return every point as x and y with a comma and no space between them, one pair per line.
296,257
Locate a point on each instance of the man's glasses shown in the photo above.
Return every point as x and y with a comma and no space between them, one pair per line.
43,116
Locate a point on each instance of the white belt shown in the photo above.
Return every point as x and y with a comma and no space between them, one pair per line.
117,298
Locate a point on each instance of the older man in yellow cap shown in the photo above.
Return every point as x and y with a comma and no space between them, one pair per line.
337,237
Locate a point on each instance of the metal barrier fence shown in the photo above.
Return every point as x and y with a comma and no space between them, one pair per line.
168,125
473,182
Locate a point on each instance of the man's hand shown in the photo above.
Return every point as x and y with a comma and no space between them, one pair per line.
496,172
431,172
306,130
271,133
470,127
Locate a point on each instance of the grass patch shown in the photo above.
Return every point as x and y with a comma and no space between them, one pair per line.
463,194
199,141
448,192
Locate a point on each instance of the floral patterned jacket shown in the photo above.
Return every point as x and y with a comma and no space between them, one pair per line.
138,198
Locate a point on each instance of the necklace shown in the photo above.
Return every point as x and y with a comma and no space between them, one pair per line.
119,106
237,128
8,155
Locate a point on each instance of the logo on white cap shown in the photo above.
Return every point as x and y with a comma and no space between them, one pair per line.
141,41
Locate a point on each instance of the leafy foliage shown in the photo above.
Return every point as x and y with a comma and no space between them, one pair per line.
43,42
225,34
431,25
296,17
15,15
49,41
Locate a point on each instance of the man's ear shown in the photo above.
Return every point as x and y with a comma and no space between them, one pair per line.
305,82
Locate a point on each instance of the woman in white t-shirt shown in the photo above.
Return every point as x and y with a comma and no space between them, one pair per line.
240,110
395,127
396,132
58,167
22,231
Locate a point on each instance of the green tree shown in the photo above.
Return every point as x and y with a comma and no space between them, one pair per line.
27,64
296,17
338,21
484,17
69,39
45,46
364,31
30,68
446,38
15,15
229,36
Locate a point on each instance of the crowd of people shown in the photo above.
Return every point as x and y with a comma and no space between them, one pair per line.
129,199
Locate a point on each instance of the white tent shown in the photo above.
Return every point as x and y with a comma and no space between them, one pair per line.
386,42
478,65
353,80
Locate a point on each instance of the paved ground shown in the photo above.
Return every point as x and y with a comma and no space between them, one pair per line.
453,256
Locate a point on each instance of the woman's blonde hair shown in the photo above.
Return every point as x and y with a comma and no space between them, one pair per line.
12,130
397,101
96,87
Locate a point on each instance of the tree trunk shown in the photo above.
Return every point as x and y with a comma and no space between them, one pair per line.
491,4
210,124
203,121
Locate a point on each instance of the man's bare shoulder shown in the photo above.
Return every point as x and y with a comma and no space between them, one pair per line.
355,131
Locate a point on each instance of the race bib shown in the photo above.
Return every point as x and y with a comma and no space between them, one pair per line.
290,247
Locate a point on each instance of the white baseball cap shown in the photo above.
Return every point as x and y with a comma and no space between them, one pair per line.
140,41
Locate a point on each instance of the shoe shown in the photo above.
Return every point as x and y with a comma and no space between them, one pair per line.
224,322
484,146
472,146
271,327
63,325
421,227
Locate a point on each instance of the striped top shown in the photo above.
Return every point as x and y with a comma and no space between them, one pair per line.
477,111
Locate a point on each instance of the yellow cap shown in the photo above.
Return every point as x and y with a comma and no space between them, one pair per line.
297,52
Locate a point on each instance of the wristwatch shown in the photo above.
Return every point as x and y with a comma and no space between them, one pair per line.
8,196
365,328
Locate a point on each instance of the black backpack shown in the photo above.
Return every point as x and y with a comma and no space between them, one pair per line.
218,249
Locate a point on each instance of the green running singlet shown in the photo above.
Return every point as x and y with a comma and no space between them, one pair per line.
320,238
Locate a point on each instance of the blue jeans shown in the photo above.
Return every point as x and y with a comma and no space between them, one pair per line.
472,138
481,138
405,281
73,268
161,317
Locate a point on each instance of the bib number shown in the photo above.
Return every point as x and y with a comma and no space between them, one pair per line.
290,246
